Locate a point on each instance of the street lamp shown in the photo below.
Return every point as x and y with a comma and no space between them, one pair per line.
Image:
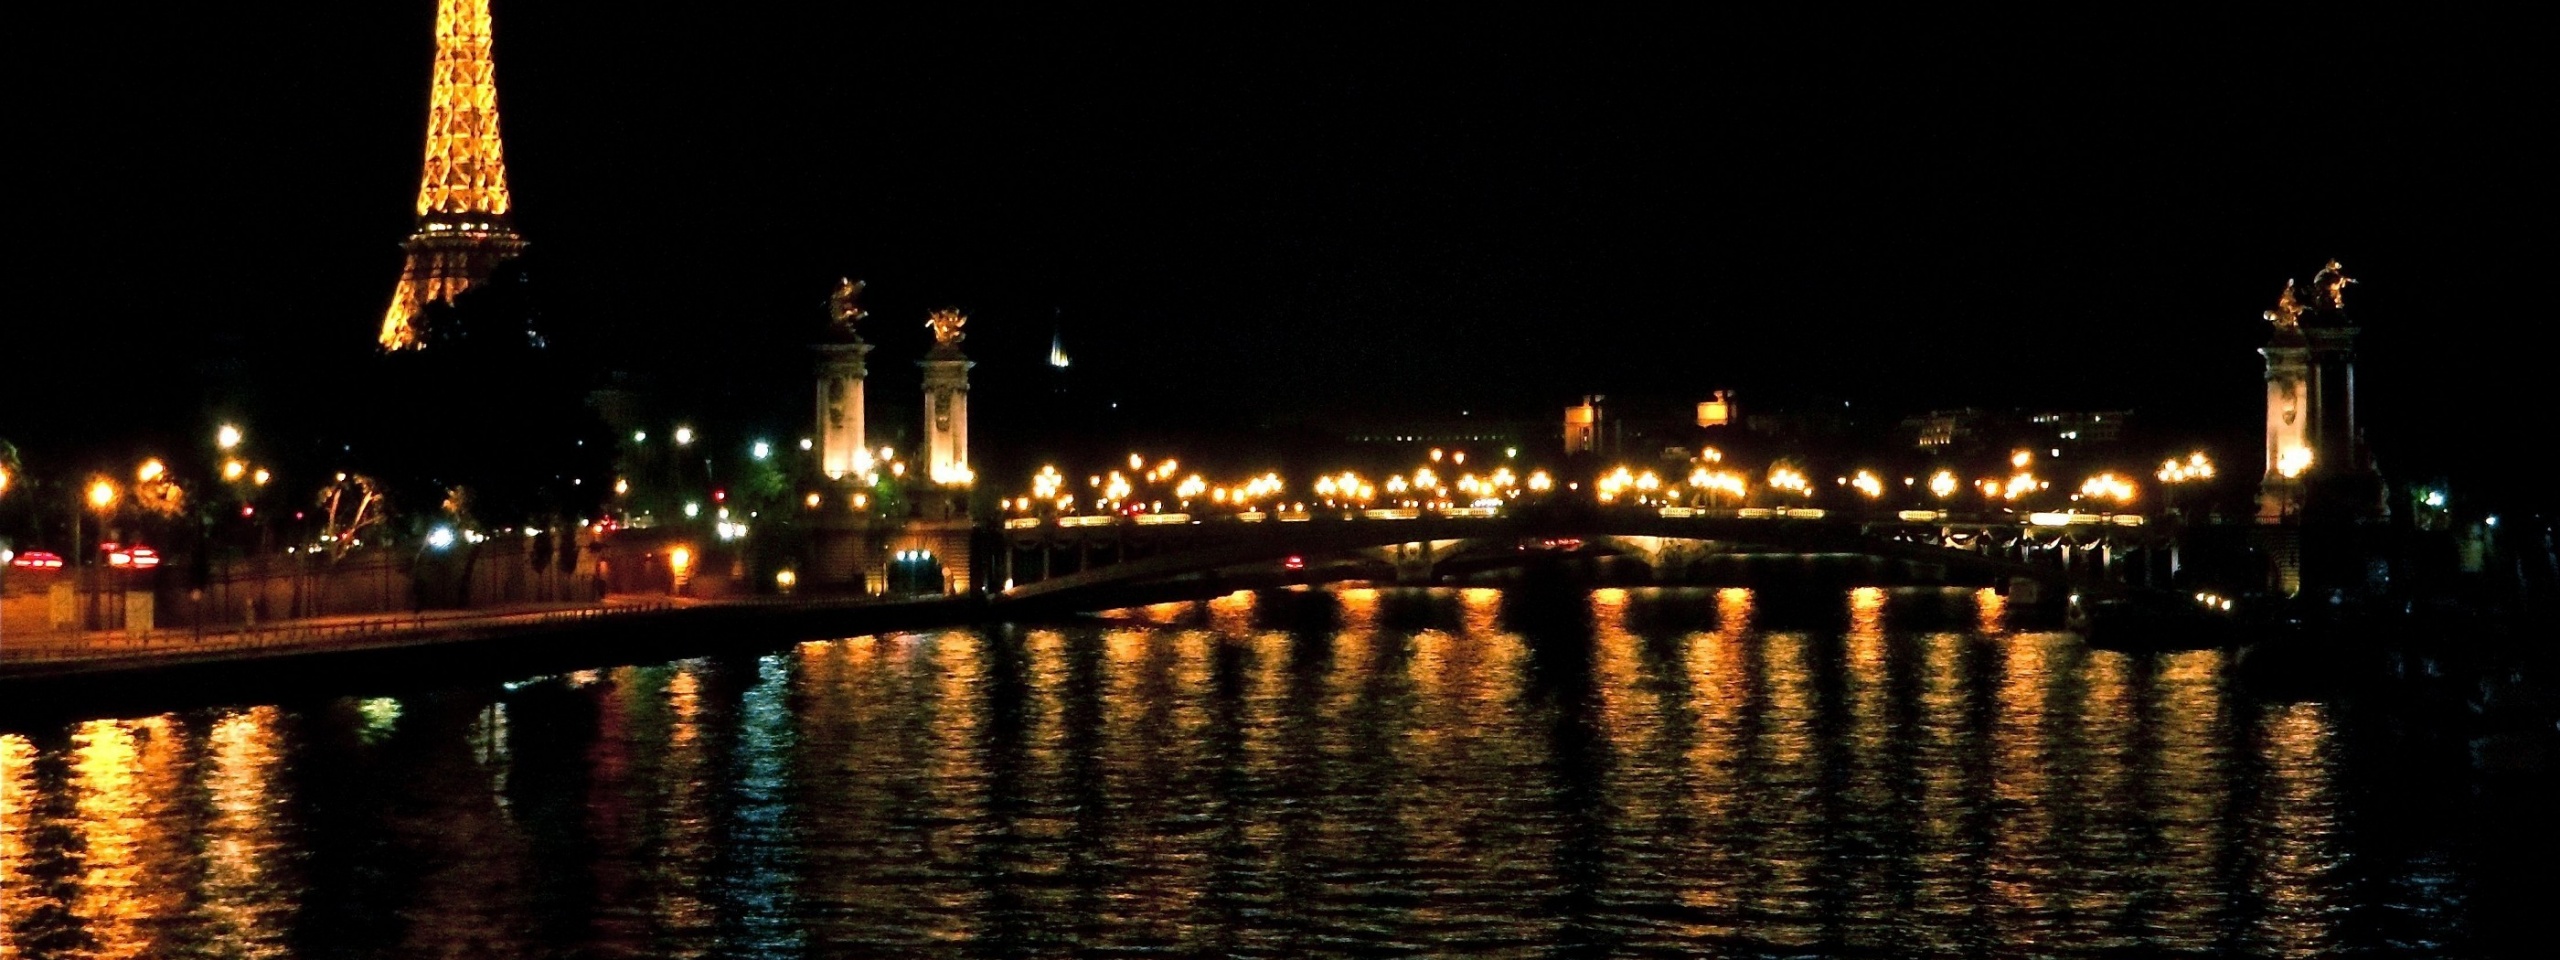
102,498
226,437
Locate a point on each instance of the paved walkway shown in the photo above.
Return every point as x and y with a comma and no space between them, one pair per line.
351,630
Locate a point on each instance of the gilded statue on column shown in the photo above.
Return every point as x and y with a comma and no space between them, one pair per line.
946,324
2325,295
2287,316
843,306
2331,283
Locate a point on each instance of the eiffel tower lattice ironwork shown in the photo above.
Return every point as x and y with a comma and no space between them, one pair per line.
463,227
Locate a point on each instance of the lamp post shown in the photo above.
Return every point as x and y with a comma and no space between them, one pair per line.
102,496
2175,475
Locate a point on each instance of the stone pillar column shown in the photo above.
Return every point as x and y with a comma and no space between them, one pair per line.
843,450
946,414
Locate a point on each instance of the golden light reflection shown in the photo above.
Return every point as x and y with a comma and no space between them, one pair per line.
248,894
684,695
1863,755
1991,611
1719,688
1866,628
2300,813
1951,801
681,793
1359,609
21,899
1232,615
2022,882
2191,784
1614,649
1790,842
123,775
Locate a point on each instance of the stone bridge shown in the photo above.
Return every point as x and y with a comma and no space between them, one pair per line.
1064,562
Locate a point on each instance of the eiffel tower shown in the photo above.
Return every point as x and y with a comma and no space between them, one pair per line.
463,230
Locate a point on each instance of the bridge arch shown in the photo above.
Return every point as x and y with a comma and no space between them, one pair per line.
1169,554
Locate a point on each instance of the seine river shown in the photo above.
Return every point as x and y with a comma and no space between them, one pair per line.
1346,772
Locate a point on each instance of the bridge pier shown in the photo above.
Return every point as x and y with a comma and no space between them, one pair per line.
1412,562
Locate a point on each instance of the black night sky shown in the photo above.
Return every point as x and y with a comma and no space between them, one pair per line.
1280,214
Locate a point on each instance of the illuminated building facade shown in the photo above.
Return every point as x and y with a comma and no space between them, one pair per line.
1582,427
463,228
1717,412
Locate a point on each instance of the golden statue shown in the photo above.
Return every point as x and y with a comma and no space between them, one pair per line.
946,324
2332,282
841,308
2287,316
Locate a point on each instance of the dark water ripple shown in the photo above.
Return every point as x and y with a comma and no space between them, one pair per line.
1355,773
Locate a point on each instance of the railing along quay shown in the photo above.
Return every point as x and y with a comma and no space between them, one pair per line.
95,645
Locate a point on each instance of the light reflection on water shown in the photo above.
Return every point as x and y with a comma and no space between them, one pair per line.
1360,771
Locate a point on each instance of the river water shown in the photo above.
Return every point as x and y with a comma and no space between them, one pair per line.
1352,772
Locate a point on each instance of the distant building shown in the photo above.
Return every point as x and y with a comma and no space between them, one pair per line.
1461,429
1948,431
2097,427
1943,429
1582,427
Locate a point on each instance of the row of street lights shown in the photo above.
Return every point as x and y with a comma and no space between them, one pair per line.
1710,483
